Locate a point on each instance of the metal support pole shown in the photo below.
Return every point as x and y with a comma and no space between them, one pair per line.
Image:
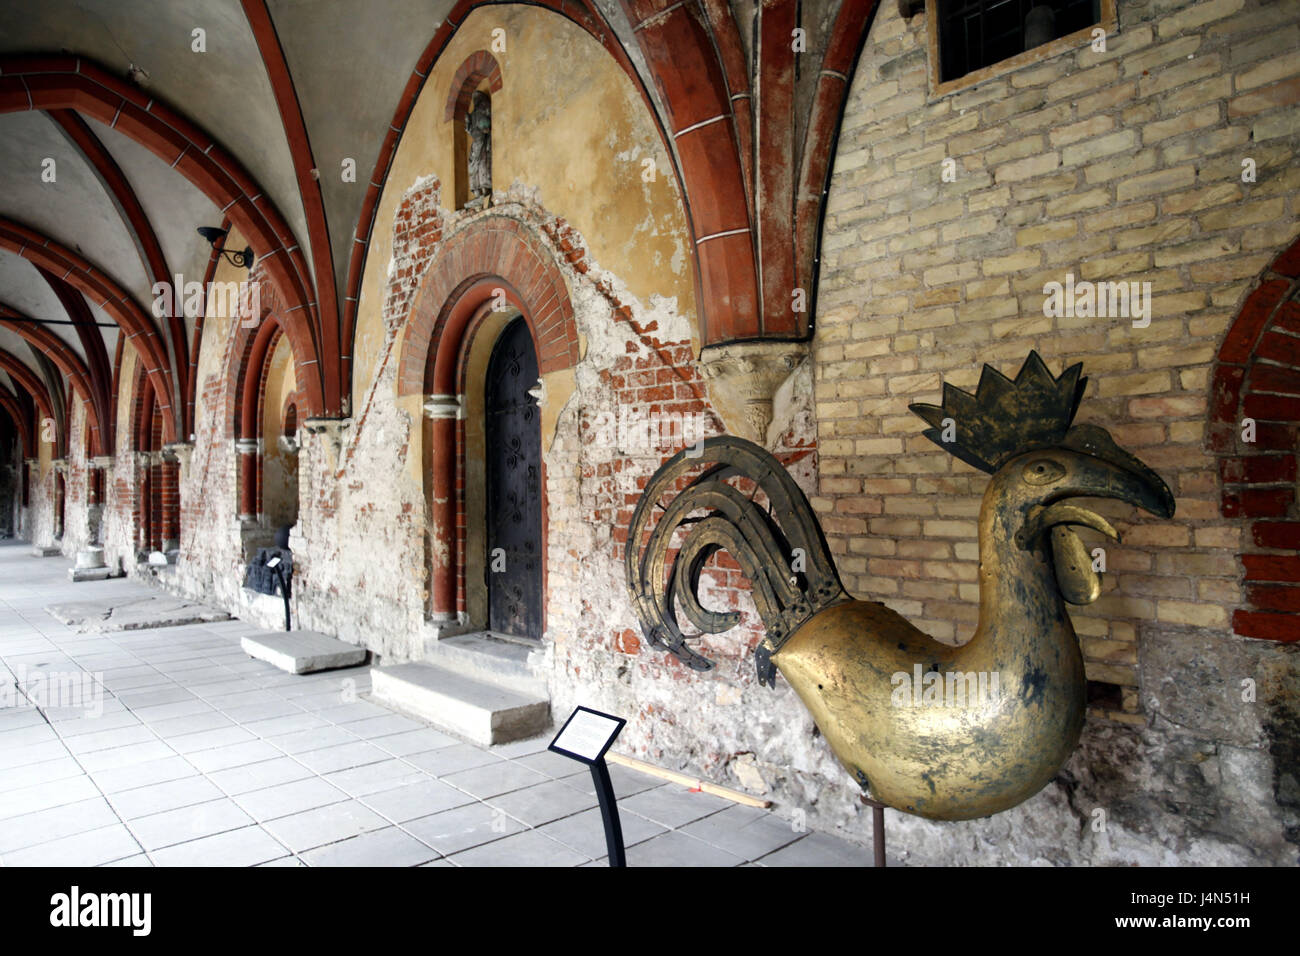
284,591
609,812
877,830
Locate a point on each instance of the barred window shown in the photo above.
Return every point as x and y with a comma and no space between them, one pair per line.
975,34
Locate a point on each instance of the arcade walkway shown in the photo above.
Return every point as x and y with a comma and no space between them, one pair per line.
173,748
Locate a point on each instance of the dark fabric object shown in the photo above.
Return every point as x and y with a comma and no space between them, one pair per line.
282,537
265,580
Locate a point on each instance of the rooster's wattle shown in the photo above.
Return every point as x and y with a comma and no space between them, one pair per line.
934,753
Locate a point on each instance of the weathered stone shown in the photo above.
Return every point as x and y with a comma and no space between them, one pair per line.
480,712
302,652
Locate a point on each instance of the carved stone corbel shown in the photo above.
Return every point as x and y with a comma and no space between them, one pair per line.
743,378
330,432
181,453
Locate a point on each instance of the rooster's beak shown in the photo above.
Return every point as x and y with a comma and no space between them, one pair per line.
1108,472
1120,475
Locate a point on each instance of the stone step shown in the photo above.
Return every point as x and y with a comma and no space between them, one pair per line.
490,657
92,574
481,712
302,652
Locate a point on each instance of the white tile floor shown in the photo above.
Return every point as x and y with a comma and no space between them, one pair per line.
185,752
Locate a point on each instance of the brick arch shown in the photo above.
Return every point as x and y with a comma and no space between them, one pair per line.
143,399
253,353
478,66
102,290
272,308
492,254
289,415
29,380
69,363
1257,376
157,510
78,84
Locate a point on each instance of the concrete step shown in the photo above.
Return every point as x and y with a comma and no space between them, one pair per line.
302,652
481,712
489,657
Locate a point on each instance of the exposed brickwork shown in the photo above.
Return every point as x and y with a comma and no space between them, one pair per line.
491,248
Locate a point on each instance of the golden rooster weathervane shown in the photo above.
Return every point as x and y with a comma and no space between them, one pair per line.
1001,713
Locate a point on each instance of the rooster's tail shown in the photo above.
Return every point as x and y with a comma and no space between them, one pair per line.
780,548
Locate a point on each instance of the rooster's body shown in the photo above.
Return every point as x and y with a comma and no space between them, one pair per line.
928,728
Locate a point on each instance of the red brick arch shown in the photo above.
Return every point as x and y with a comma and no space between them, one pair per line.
69,363
478,66
492,254
29,380
62,82
102,290
1257,376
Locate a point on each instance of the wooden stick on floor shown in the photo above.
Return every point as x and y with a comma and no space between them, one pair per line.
695,783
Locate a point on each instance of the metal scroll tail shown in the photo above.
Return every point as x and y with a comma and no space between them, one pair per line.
777,542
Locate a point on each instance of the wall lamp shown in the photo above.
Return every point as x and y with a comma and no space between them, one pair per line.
243,260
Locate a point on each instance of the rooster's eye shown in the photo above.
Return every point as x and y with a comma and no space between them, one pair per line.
1043,471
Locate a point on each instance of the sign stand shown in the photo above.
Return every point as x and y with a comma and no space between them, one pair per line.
585,737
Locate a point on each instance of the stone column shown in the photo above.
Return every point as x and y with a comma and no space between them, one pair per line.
443,411
142,511
247,449
176,460
60,468
101,474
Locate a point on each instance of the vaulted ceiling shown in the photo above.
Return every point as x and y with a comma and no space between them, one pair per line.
118,137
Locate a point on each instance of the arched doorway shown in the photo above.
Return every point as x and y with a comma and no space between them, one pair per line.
455,322
512,431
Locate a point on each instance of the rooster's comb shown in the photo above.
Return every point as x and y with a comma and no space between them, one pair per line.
1005,418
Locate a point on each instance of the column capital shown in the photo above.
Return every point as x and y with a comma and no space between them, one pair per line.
444,406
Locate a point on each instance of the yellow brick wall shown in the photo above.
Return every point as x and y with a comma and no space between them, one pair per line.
1123,165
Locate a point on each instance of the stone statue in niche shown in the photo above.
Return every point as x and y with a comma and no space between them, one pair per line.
478,123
